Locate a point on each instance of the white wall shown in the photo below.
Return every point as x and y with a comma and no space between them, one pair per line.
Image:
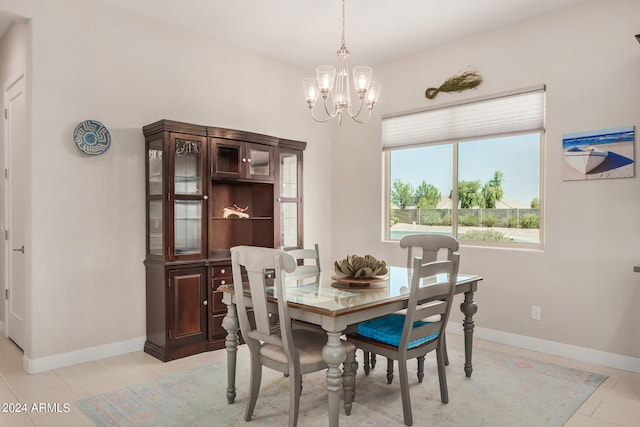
583,279
87,224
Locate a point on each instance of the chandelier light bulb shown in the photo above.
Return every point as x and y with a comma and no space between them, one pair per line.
310,87
373,93
362,77
326,75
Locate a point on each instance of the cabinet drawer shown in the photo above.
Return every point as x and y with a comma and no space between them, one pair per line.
216,325
221,271
218,282
218,306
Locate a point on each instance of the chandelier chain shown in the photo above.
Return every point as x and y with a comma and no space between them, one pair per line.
343,25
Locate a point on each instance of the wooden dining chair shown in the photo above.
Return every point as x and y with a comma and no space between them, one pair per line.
429,247
434,247
293,352
307,260
418,332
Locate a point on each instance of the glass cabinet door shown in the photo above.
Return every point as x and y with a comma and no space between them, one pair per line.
187,227
289,198
227,158
155,181
155,224
288,175
259,161
155,168
289,225
188,167
189,196
241,160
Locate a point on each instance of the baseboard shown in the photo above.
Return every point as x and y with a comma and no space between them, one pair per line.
41,364
568,351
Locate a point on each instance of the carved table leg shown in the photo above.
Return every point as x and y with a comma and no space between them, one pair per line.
469,308
230,324
334,354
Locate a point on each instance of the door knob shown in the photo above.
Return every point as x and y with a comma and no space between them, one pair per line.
19,250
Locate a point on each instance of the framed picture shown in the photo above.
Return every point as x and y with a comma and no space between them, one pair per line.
601,154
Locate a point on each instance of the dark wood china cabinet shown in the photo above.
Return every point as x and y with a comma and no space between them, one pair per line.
208,189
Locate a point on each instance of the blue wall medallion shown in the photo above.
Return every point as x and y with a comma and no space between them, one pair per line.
92,137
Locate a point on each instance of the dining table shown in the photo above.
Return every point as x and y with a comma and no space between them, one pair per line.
336,305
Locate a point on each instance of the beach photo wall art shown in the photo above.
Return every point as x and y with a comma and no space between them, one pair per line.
600,154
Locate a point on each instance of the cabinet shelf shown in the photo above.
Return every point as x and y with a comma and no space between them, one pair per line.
190,178
254,218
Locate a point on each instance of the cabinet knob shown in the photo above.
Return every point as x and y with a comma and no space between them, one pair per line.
205,197
249,160
222,271
244,160
223,282
205,302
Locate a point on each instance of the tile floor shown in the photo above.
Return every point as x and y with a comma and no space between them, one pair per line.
615,403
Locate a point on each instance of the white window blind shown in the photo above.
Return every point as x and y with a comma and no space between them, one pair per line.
522,111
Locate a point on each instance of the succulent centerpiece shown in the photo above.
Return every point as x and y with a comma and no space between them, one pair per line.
360,267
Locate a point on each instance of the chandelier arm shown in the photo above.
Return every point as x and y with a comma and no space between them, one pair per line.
353,116
362,121
329,115
332,113
313,116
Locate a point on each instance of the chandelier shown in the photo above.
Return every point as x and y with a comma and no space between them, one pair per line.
333,82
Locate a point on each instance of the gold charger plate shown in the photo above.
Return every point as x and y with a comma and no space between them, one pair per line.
342,282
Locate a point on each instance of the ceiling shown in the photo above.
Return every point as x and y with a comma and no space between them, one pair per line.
307,32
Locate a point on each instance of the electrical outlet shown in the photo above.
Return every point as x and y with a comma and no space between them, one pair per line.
536,312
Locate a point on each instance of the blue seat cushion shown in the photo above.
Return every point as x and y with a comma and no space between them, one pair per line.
388,330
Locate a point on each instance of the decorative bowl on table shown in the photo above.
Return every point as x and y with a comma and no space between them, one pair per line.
360,270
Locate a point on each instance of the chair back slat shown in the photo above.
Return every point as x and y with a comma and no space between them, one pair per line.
259,300
308,260
429,288
430,310
256,261
429,247
306,269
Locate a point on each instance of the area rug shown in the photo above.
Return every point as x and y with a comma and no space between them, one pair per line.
504,390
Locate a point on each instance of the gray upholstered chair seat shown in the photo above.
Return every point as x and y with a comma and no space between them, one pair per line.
309,344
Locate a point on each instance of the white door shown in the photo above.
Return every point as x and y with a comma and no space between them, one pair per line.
16,174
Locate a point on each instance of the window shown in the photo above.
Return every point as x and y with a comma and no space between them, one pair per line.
470,170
